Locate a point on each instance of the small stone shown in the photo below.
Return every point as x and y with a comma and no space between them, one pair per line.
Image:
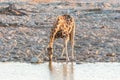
15,57
111,55
97,52
107,5
78,62
4,59
117,48
1,35
31,23
63,58
35,60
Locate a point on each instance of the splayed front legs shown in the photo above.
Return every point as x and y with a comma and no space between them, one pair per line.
65,49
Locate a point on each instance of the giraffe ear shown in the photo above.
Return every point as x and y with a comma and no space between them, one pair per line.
58,19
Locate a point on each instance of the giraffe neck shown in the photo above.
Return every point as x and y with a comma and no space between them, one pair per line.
51,42
50,45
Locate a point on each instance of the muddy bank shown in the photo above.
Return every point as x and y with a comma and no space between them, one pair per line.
24,38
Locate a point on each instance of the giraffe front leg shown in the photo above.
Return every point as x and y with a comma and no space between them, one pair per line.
63,50
66,42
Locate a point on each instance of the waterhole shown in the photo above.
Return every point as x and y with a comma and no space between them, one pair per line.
60,71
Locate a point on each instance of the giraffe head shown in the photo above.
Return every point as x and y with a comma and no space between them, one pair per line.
50,53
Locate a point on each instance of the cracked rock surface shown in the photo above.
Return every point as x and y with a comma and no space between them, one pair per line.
24,38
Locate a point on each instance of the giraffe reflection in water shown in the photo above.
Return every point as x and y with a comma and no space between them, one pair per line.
63,71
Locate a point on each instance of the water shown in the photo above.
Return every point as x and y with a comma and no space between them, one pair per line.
60,71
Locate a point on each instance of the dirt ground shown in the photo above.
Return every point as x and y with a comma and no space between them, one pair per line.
24,38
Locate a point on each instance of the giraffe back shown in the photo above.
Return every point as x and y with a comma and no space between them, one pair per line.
64,25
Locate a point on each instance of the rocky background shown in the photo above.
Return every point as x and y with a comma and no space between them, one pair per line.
24,38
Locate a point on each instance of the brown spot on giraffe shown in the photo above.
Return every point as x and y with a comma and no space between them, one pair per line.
64,28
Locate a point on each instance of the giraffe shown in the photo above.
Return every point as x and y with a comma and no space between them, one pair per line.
64,27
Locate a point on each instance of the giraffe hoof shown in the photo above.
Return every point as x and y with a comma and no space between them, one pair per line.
67,59
72,59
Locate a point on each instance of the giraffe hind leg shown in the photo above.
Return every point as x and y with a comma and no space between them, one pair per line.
72,44
63,50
